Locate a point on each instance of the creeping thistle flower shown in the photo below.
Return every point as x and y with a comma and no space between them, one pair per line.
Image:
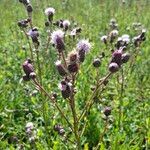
66,24
57,39
113,34
126,38
34,34
50,13
84,45
60,68
104,39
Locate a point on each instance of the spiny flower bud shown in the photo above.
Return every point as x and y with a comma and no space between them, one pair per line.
29,8
27,67
116,57
107,111
125,57
96,62
65,88
113,67
60,68
73,67
32,75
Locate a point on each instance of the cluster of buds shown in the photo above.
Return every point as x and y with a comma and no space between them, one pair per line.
122,41
65,88
28,6
23,23
29,70
63,24
118,58
30,131
34,34
139,39
58,128
113,24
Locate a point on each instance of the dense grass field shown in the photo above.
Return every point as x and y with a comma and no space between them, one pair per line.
127,93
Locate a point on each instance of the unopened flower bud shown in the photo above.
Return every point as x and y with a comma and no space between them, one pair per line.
73,67
27,67
29,8
26,78
125,57
113,67
65,88
116,57
96,63
107,111
81,55
60,68
32,75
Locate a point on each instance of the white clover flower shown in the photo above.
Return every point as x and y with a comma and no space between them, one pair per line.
84,45
104,38
49,11
58,34
66,23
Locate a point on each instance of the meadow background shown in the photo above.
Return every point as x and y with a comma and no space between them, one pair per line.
19,102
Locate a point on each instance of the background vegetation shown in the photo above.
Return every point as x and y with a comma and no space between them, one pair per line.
20,102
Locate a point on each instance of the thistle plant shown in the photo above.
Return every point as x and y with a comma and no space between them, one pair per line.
68,64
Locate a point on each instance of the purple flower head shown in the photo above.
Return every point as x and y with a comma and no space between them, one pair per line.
84,45
58,34
49,11
66,24
27,67
57,40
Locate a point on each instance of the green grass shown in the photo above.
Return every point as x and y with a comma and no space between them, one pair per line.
93,16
